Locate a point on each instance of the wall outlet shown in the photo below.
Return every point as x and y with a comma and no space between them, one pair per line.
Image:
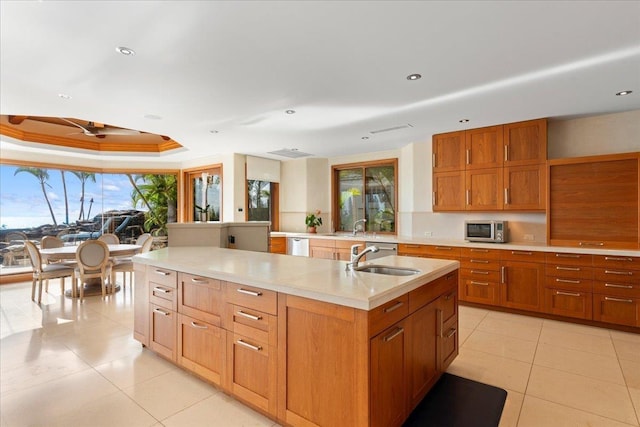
529,237
428,234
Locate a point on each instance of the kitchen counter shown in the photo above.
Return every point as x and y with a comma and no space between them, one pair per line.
318,279
520,246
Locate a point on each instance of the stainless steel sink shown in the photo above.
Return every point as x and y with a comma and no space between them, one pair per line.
388,270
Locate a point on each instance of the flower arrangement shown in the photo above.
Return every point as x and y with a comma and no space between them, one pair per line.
313,219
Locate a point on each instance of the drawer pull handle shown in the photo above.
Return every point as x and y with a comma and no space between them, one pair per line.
480,250
616,258
506,196
568,256
468,197
617,299
195,325
448,297
164,313
251,346
450,276
393,335
503,274
611,285
162,273
162,290
575,282
619,273
479,261
568,294
433,198
451,333
480,283
591,243
521,253
252,293
468,157
568,268
506,153
396,306
443,248
248,316
198,280
479,272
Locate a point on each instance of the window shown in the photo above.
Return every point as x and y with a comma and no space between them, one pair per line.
262,202
365,191
204,185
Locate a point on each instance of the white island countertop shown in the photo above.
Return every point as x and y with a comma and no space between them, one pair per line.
318,279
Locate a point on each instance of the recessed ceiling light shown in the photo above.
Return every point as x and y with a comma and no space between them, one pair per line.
125,51
213,131
463,120
64,96
290,111
624,92
414,77
152,117
365,137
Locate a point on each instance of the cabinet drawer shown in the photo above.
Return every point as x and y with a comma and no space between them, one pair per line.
325,243
252,297
162,276
429,292
569,271
480,274
442,251
568,259
625,262
448,306
480,264
612,287
480,253
278,245
568,303
411,249
526,256
621,311
584,285
449,343
254,324
387,314
163,296
480,291
200,297
616,274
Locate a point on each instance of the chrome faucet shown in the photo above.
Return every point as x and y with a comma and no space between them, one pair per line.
356,257
355,225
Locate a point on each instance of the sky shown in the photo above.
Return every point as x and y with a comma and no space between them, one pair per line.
23,205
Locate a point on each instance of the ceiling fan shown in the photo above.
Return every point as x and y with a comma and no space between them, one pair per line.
100,130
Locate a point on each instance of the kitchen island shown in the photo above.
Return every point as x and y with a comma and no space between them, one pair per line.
302,340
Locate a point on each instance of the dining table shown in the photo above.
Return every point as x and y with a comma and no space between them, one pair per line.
68,252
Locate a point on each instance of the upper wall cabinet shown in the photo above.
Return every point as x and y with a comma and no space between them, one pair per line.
492,168
593,201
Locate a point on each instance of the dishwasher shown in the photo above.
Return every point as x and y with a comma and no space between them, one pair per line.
297,246
384,249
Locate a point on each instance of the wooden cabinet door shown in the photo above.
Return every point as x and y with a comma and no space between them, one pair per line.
448,191
278,245
162,331
616,309
484,189
483,147
522,285
525,188
448,151
422,361
141,304
201,298
388,376
525,143
201,348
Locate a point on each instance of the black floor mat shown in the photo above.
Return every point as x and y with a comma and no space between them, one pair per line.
459,402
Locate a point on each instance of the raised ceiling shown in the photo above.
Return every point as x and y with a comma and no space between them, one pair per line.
218,76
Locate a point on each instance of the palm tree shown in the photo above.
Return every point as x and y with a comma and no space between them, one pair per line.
83,177
159,193
66,199
41,175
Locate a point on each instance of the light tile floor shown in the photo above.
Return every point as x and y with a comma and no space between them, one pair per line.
69,364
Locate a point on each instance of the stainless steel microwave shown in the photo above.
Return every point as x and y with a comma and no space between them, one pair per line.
486,231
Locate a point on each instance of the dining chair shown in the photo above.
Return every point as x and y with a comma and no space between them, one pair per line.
92,257
47,271
125,264
110,239
49,242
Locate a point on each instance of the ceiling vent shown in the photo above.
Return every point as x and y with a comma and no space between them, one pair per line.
292,153
392,128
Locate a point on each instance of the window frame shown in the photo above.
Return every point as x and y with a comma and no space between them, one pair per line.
187,188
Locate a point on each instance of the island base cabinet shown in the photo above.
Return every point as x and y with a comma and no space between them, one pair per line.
140,304
616,309
252,371
422,361
162,331
201,348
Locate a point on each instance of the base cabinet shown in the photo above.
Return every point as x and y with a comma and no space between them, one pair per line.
162,331
201,348
141,305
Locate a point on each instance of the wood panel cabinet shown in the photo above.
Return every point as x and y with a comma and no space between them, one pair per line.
525,143
278,245
568,285
483,148
522,280
448,191
484,189
141,304
449,151
525,187
616,293
594,202
480,275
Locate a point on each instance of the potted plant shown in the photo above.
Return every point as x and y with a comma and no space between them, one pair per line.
313,220
204,213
